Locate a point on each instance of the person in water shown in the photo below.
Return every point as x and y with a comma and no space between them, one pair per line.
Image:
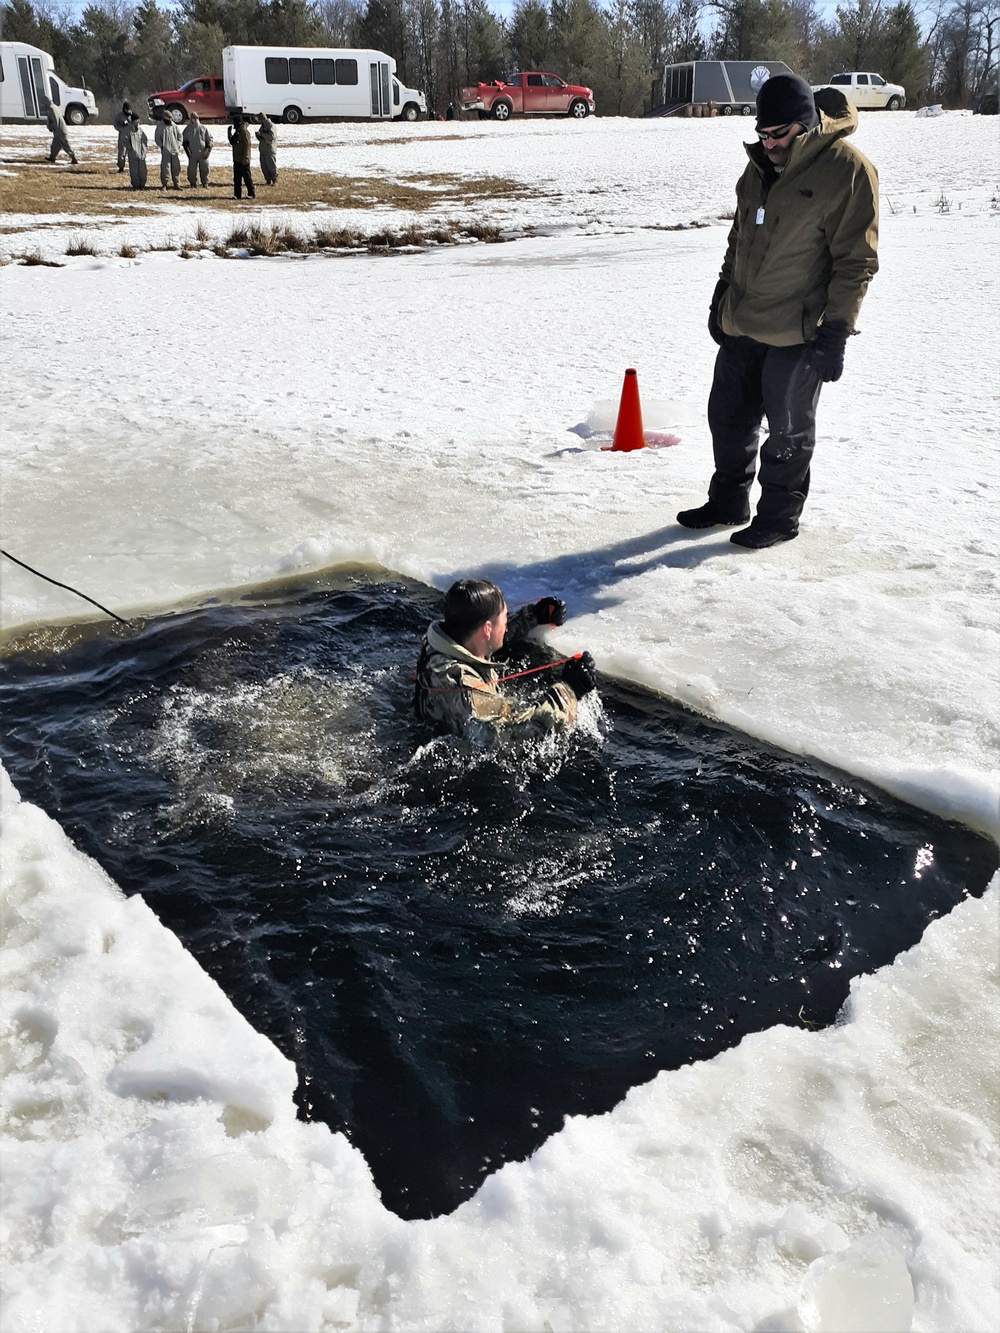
457,683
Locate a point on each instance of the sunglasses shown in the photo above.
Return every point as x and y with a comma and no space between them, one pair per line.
779,132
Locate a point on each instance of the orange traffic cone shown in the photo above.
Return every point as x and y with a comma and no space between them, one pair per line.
628,430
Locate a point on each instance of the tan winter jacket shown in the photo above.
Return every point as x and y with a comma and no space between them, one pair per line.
805,249
457,692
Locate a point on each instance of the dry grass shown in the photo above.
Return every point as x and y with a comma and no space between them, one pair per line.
254,239
36,189
79,245
128,251
35,260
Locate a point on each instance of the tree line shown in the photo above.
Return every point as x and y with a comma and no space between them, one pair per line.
125,49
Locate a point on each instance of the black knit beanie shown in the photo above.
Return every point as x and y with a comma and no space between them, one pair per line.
785,98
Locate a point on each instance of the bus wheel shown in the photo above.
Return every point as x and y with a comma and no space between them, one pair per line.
746,111
410,112
292,115
727,110
76,115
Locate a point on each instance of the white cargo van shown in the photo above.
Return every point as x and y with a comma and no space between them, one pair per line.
293,83
28,81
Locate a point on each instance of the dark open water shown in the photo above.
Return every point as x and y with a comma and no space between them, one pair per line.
457,947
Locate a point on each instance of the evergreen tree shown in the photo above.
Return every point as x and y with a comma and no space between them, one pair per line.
104,43
529,35
901,52
154,53
628,74
579,46
481,43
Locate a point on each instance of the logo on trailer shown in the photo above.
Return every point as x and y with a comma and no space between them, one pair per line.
759,76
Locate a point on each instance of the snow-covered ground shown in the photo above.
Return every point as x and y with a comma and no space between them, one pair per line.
172,428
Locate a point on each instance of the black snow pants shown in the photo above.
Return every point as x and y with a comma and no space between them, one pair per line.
753,380
241,177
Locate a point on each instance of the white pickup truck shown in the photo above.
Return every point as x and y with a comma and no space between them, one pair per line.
868,91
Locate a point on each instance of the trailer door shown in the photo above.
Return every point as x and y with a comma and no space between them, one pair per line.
378,72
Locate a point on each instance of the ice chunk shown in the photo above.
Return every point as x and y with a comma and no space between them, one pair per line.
863,1289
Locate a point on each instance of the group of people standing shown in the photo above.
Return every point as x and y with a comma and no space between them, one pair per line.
196,142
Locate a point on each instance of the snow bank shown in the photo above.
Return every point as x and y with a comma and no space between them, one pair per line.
155,1177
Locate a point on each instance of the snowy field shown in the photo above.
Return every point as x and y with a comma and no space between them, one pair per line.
173,428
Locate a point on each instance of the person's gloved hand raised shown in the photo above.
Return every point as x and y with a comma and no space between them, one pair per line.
827,351
550,611
580,674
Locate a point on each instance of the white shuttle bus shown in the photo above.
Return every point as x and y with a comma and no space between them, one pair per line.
28,81
294,83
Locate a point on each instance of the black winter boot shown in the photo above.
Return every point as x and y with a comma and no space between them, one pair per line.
758,538
710,516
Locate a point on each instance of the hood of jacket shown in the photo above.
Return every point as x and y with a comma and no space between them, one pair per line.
838,117
439,642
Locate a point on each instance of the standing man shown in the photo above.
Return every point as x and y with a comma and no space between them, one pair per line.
197,145
60,139
265,150
168,140
123,124
136,149
239,140
801,253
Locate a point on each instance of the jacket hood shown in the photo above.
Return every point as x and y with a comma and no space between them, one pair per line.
439,642
838,117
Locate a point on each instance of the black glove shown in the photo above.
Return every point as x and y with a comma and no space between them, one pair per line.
714,328
550,611
580,675
827,352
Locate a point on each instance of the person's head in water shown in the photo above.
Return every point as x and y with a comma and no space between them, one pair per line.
475,615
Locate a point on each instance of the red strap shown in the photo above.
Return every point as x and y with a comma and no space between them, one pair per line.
514,675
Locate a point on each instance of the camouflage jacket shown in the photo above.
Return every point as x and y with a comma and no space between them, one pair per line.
458,693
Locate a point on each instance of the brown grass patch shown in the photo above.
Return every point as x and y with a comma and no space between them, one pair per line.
35,260
96,189
79,245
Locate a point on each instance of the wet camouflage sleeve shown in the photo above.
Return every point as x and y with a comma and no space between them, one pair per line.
455,698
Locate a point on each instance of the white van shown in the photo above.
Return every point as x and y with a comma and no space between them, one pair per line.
28,81
292,83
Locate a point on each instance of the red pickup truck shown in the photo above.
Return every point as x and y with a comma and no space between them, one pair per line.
530,95
205,95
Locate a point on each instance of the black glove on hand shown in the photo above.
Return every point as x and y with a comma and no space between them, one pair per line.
580,675
550,611
827,353
714,328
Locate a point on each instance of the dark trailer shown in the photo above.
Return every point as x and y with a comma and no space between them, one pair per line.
730,85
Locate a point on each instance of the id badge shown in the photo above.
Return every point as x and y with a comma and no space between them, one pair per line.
760,217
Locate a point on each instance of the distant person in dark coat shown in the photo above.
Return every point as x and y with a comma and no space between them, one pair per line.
123,124
60,140
239,141
197,144
265,150
168,140
136,149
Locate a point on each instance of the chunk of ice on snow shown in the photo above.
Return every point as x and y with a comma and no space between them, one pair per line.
863,1289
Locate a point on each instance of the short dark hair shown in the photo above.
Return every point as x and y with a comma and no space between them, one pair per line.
468,604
